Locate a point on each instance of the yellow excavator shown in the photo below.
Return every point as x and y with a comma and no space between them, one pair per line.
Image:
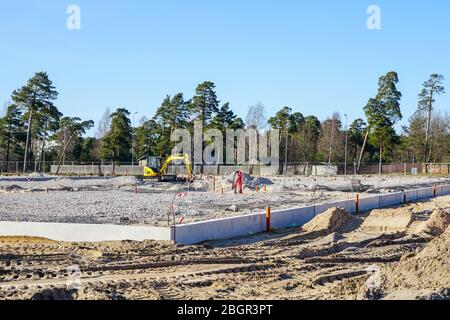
156,169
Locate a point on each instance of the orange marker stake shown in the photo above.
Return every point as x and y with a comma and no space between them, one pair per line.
357,203
268,222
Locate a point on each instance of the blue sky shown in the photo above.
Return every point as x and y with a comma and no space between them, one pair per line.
315,56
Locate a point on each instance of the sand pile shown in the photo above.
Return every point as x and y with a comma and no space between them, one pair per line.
429,269
125,181
388,220
35,175
436,225
330,221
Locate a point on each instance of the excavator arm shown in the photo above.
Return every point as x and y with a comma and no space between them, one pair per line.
172,158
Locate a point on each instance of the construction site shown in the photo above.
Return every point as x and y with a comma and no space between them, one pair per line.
368,237
224,151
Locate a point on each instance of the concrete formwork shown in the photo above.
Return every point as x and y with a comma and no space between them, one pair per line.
411,195
292,218
425,193
220,229
392,199
445,189
348,205
84,232
369,203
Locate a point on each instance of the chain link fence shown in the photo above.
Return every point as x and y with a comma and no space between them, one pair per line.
307,169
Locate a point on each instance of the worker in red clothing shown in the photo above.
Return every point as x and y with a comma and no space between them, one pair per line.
237,182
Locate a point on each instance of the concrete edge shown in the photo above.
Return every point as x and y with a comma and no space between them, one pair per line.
217,229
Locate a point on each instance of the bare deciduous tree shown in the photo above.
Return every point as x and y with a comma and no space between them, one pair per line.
256,117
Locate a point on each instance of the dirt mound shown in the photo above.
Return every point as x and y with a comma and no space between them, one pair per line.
36,175
330,221
437,224
388,220
125,181
429,269
24,239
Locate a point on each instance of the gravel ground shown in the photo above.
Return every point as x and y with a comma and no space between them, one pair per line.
112,200
343,258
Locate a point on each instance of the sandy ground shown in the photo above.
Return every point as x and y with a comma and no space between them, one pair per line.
113,200
400,253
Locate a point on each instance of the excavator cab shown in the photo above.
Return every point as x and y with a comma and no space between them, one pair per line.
155,168
154,163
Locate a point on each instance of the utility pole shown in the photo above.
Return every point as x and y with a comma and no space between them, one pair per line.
346,143
132,144
286,153
331,141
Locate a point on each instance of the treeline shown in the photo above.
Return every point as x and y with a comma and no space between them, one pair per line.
33,130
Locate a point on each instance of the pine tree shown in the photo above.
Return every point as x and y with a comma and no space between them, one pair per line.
431,88
116,146
148,134
35,99
171,115
11,133
356,135
308,138
205,104
383,113
224,119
